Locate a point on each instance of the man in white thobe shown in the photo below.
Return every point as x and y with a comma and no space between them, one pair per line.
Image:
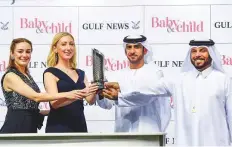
202,98
140,106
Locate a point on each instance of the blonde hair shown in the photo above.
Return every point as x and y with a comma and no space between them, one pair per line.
14,42
51,59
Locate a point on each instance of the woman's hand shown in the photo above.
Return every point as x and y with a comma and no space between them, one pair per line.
76,94
91,89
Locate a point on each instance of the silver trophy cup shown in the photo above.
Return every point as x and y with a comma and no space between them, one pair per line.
98,68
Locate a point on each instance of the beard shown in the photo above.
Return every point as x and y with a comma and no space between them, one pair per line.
206,63
139,58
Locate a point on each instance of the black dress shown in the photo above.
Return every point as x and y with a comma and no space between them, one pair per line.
22,113
69,118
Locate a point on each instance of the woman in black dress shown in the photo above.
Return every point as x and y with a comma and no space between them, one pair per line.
21,93
62,75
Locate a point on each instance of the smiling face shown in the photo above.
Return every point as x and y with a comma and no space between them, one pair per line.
135,53
22,54
200,57
65,48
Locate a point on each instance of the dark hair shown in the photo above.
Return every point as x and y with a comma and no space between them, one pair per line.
11,62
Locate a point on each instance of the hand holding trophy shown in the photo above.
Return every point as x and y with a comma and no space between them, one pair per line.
106,89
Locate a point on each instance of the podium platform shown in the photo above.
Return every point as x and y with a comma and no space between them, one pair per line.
82,139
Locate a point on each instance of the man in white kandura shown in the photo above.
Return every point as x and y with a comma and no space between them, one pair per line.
139,106
202,98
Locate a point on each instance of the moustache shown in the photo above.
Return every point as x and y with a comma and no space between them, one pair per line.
199,59
132,54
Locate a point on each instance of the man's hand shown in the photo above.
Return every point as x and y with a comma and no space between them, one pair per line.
109,93
112,85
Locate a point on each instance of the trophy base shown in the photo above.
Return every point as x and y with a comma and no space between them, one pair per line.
100,97
100,87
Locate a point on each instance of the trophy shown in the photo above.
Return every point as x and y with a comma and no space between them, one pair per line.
98,69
